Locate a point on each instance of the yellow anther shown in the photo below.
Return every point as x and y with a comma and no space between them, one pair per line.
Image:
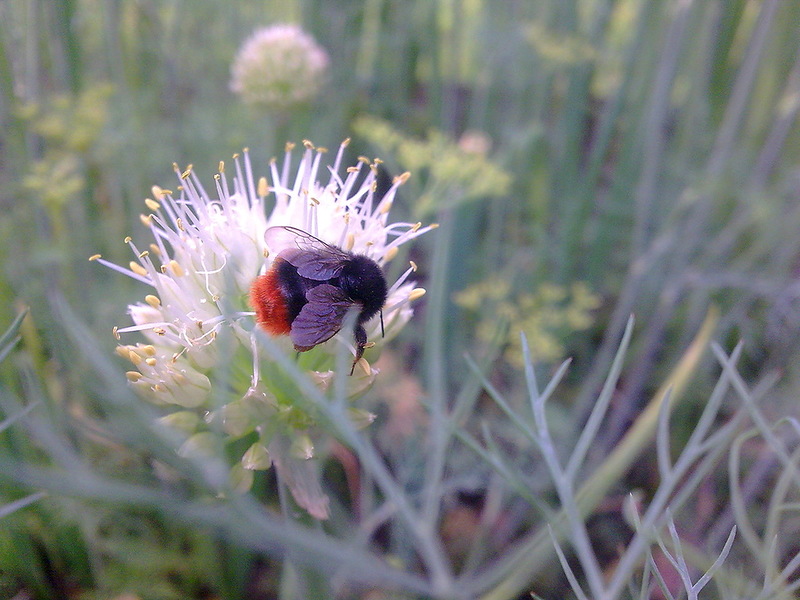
263,187
416,294
138,269
390,253
176,269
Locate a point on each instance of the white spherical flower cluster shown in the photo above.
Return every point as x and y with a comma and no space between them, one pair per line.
279,67
205,254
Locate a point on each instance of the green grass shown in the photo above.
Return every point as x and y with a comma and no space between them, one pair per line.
641,153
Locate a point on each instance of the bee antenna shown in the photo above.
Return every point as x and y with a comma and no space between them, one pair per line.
382,332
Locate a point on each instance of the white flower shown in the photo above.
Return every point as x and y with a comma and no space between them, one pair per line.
279,67
205,254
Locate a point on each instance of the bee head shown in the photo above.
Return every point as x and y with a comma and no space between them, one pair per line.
362,280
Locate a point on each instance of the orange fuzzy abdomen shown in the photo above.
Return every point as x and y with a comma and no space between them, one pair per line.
267,299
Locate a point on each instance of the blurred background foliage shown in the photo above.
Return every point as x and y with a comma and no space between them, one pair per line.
586,159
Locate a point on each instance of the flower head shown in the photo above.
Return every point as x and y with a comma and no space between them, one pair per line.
203,259
279,67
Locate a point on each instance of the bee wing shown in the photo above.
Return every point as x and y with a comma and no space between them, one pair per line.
321,317
313,258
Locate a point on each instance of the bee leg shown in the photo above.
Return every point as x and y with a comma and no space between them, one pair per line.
361,340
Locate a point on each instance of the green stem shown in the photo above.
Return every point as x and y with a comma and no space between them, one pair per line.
535,552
